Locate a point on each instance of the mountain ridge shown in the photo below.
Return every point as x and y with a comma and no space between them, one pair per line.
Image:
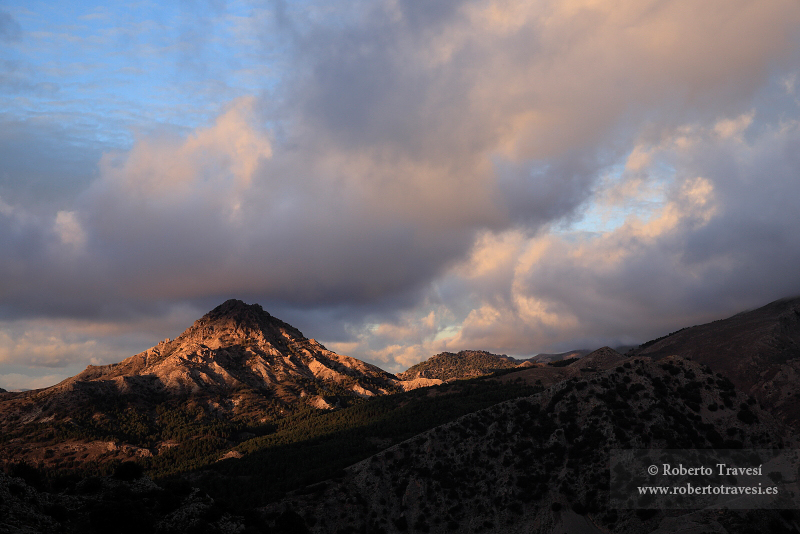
538,464
759,350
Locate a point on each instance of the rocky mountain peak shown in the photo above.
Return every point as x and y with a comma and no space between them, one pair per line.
237,323
237,352
238,312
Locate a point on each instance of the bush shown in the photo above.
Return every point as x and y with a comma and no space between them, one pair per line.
28,473
746,416
128,471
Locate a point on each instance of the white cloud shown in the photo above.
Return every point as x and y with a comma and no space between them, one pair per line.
69,229
728,128
18,381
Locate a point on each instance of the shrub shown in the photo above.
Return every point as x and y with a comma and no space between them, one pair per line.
746,416
128,471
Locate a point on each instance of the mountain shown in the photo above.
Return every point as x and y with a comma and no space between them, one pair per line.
464,364
238,347
224,419
539,464
236,365
759,350
546,375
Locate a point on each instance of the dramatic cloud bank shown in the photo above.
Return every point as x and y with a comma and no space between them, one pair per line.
398,178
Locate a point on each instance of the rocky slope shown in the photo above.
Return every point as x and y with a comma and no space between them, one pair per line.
234,350
236,363
758,350
464,364
541,463
238,346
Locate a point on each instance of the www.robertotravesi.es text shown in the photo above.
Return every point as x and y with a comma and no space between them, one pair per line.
689,489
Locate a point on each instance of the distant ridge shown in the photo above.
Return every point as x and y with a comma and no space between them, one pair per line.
600,359
453,366
553,357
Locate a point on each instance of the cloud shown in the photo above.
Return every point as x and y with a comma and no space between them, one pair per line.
31,345
721,239
18,381
419,171
69,229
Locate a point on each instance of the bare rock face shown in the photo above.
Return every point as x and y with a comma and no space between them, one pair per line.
416,383
235,346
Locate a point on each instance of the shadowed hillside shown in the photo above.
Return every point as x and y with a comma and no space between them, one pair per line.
758,350
540,463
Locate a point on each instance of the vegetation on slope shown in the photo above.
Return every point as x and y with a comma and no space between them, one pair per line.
312,446
279,455
519,466
465,364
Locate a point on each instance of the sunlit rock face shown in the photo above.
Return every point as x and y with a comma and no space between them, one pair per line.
238,354
238,345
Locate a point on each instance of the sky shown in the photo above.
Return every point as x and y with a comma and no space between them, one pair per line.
395,178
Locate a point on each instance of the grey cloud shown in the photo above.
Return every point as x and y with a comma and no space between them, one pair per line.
536,193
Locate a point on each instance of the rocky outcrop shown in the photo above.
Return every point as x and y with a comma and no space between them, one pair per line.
417,383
